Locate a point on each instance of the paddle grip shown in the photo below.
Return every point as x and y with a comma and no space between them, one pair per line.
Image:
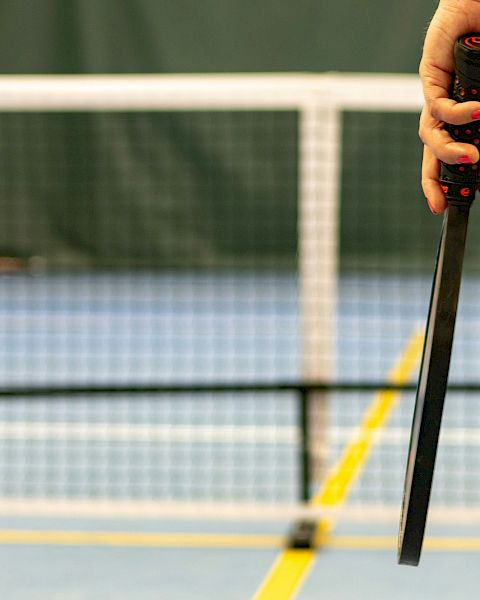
460,181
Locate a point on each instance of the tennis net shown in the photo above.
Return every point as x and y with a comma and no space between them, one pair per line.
192,267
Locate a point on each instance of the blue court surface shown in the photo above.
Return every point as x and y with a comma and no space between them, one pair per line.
97,571
230,448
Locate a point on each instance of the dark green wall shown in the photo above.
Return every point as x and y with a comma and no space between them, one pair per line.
94,36
204,190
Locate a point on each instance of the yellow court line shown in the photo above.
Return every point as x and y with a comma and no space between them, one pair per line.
440,544
289,566
286,575
126,538
344,473
341,477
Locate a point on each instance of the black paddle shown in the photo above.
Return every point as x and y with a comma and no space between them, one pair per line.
459,183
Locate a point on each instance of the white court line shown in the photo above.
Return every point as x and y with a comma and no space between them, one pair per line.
205,511
148,433
393,436
242,434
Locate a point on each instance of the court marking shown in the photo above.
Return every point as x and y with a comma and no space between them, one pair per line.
299,561
342,475
215,434
217,511
127,538
397,436
61,431
437,544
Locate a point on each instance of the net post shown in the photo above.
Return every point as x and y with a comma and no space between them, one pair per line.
302,535
304,488
318,214
319,131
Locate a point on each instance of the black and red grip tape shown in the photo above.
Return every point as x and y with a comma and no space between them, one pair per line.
459,182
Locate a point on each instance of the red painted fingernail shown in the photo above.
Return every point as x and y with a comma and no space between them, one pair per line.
476,114
431,208
465,160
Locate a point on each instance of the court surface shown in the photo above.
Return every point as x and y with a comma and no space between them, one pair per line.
183,328
177,571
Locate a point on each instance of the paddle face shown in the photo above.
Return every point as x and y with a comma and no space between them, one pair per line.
432,384
459,184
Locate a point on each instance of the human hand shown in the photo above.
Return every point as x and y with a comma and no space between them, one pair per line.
452,19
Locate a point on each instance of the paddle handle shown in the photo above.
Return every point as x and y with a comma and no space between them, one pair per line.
459,182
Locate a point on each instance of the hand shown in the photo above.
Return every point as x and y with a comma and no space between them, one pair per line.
452,19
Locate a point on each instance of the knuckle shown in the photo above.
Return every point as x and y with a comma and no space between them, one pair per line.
435,110
421,67
425,188
422,132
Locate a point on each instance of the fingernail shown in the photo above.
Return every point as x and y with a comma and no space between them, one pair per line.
465,160
476,114
431,208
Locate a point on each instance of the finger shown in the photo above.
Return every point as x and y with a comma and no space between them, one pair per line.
437,64
430,185
456,113
436,86
434,135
